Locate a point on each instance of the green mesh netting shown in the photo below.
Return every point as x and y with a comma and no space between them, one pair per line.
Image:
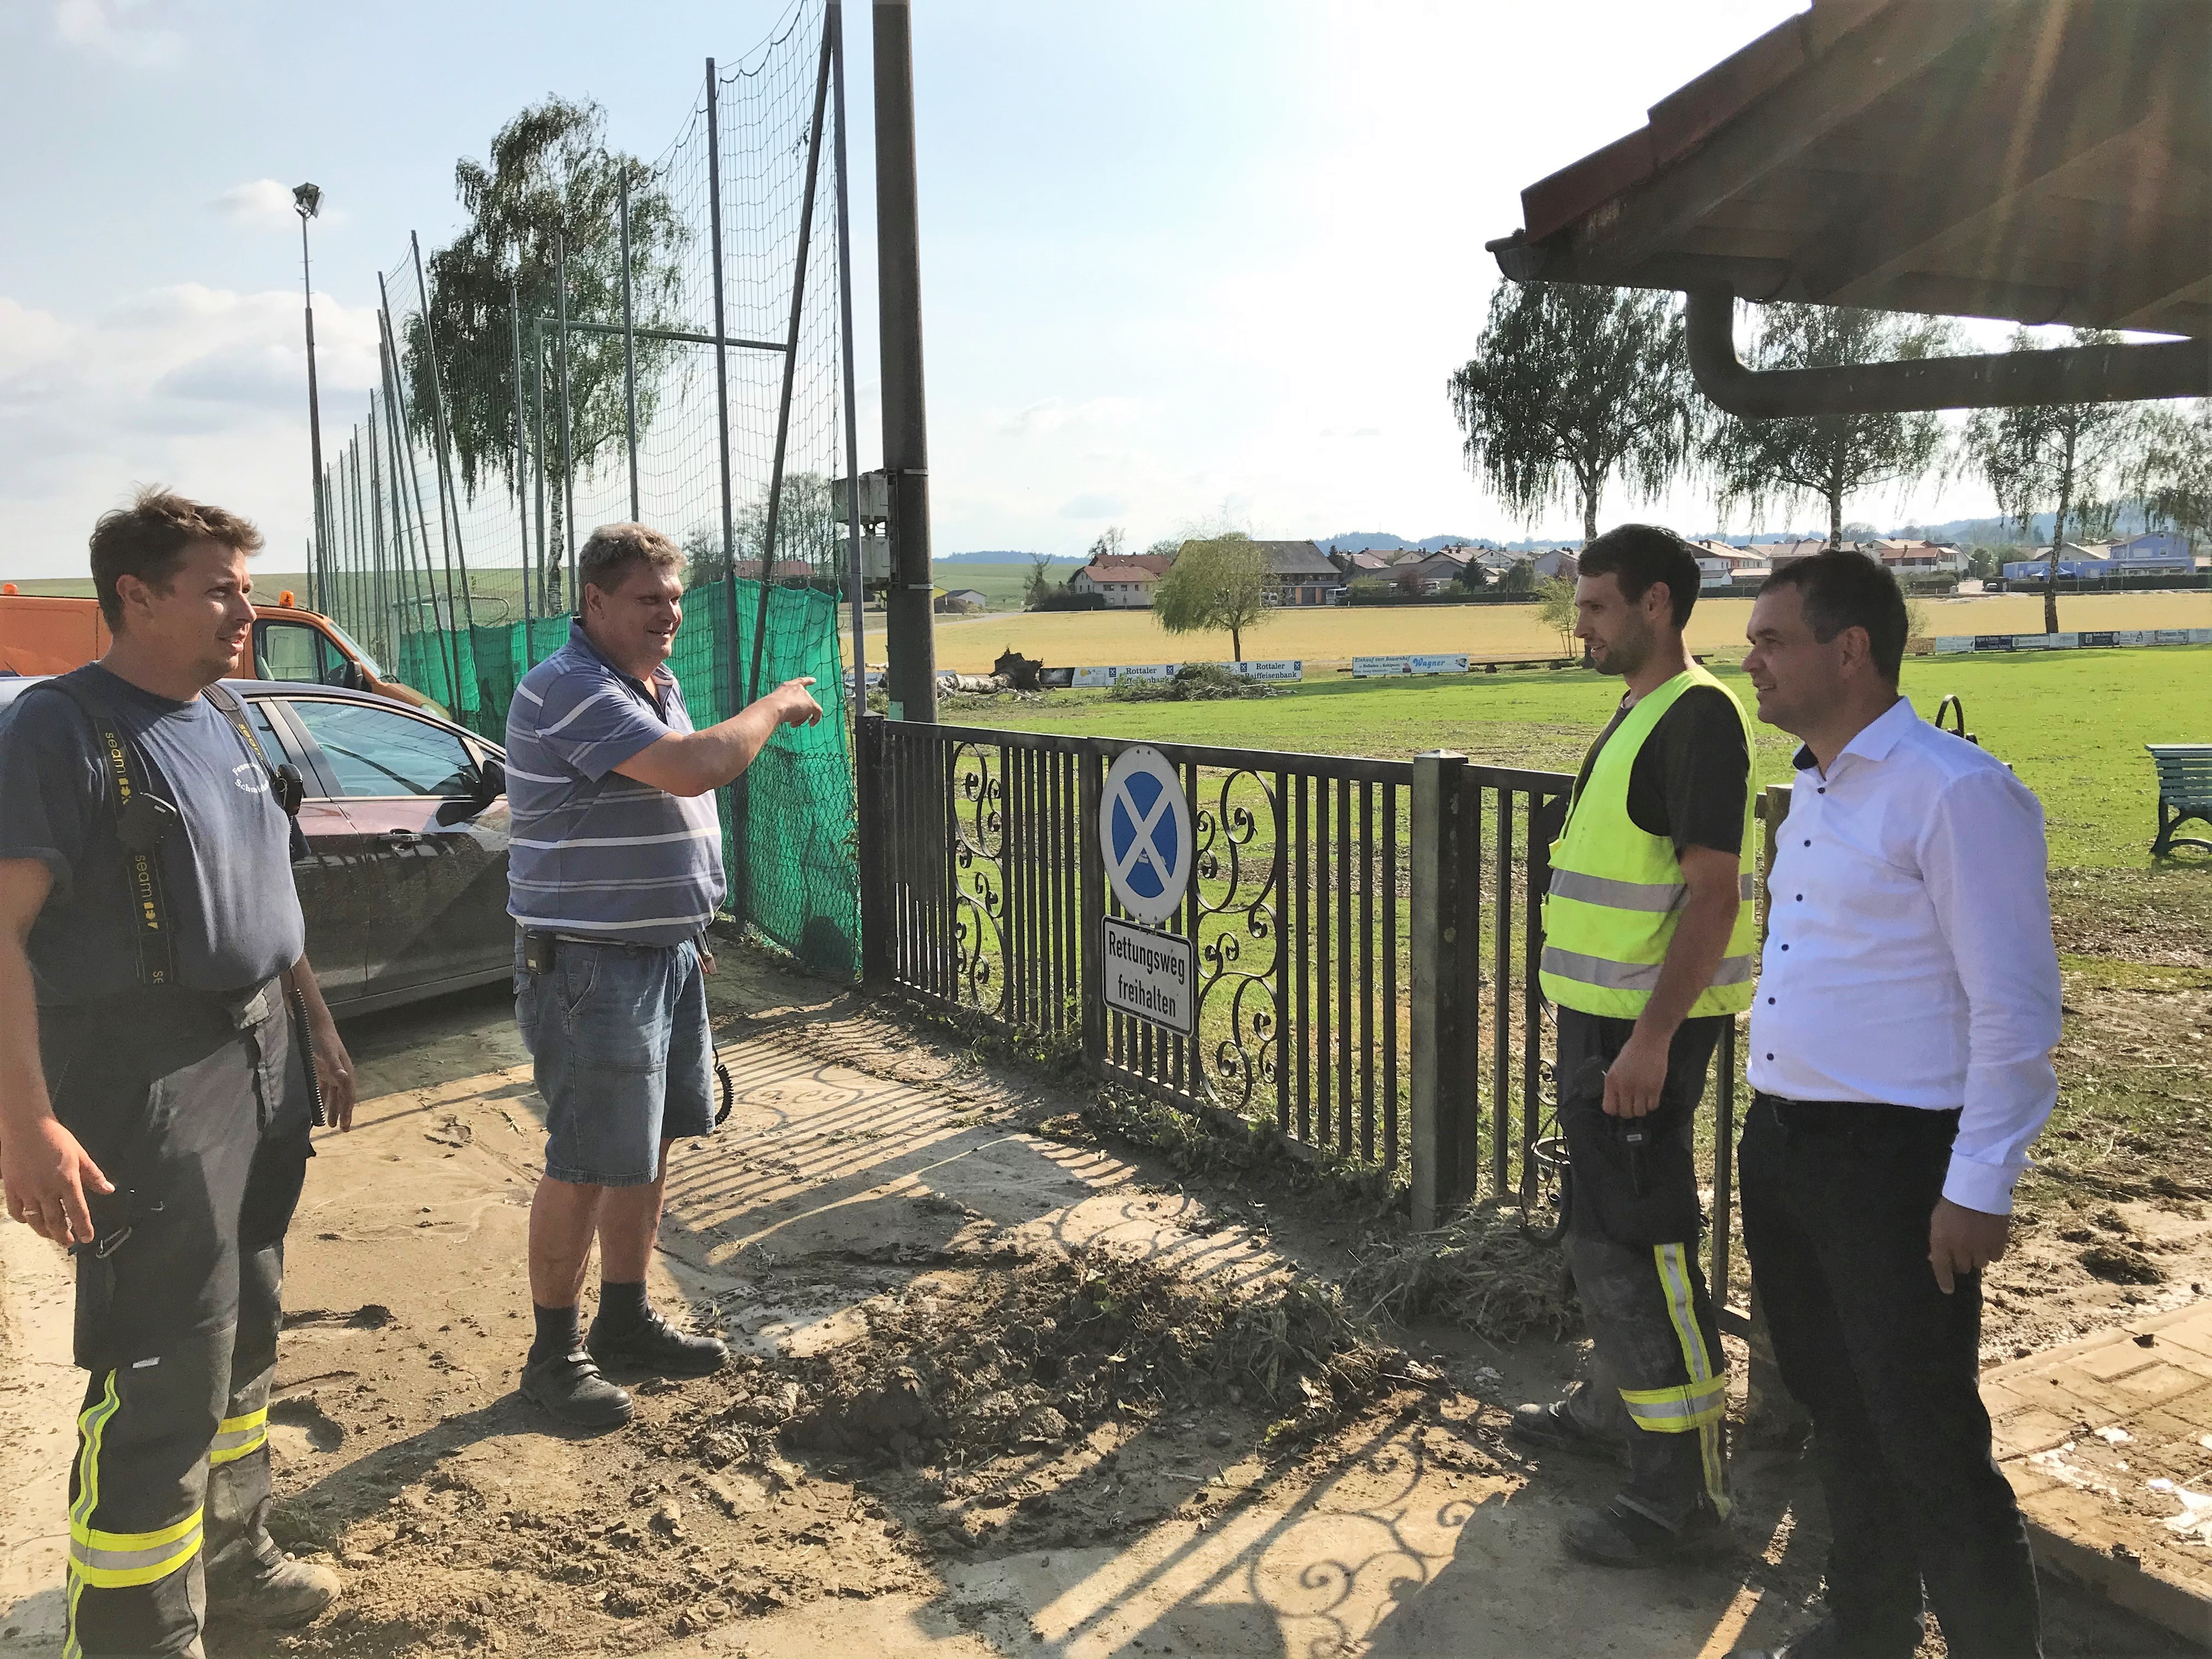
794,873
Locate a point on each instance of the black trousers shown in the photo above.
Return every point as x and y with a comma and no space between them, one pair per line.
196,1107
1659,1380
1837,1198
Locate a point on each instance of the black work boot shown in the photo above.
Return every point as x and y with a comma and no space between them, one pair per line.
269,1588
570,1387
1555,1426
654,1345
1621,1536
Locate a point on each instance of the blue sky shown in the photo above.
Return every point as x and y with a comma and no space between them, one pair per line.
1179,260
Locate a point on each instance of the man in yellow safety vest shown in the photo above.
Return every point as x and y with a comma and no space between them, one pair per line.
1650,946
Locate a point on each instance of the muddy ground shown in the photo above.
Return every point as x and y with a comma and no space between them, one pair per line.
1008,1383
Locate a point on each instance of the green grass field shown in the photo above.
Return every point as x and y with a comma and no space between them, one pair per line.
1004,584
2072,725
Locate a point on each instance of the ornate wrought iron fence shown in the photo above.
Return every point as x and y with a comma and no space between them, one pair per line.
977,854
1368,933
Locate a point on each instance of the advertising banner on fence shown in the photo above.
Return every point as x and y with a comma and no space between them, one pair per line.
1368,668
1151,975
1104,676
1266,670
1949,644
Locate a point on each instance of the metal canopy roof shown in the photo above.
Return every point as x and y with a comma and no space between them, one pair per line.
2042,161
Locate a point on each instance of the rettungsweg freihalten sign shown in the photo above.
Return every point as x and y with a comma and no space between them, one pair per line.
1146,843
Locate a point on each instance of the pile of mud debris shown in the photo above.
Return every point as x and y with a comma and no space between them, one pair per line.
996,1398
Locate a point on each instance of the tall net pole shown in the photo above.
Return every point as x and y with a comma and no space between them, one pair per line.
856,575
790,371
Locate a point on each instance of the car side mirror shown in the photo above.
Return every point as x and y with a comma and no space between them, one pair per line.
491,784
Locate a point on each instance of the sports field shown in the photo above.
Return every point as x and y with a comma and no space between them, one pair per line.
1331,637
2072,725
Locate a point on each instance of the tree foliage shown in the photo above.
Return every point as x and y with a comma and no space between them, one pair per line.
1828,457
1216,585
2173,476
2062,459
1571,387
549,180
1555,608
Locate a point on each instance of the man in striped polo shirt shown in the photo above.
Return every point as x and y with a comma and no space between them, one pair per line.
616,871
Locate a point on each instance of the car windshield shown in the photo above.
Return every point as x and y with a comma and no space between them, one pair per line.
375,668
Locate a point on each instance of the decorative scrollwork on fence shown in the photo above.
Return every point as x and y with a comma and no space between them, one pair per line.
1237,884
977,805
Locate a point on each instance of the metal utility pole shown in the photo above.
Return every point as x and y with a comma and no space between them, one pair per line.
629,353
307,202
568,452
790,371
911,668
521,460
856,578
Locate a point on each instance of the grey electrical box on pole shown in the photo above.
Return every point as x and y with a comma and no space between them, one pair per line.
910,647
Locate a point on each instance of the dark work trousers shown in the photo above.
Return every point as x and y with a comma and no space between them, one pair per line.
196,1107
1659,1382
1837,1198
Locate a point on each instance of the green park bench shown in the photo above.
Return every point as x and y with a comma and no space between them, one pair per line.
2184,792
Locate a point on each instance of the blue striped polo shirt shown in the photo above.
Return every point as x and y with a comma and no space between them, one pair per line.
593,853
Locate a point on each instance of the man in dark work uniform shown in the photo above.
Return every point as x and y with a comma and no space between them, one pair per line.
154,1106
1650,947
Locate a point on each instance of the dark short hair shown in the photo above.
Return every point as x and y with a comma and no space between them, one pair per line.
613,549
1842,590
1638,554
148,539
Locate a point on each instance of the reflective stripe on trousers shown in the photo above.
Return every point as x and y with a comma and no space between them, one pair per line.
1704,1403
239,1436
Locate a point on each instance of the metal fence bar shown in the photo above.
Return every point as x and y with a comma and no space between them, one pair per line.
1390,975
1501,975
1367,971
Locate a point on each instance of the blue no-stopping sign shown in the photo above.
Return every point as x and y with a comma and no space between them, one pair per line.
1144,834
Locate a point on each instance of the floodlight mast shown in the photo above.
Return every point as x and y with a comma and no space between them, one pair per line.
307,202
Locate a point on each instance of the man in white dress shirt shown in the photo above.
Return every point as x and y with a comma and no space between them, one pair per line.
1901,1063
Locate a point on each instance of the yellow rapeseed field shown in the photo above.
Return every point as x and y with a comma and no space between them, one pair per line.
1330,638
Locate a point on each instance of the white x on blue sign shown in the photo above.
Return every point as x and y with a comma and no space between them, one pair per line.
1143,830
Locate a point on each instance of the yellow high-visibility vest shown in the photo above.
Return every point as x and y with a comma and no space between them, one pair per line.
1616,890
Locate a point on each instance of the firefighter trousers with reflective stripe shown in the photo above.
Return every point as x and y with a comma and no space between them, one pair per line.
195,1109
1659,1381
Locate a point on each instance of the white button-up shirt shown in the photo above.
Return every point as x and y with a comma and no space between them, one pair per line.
1909,957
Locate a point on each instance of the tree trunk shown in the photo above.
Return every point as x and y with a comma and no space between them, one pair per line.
2058,539
1835,517
1589,517
1236,642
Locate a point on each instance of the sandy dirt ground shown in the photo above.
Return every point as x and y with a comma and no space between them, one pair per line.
1003,1386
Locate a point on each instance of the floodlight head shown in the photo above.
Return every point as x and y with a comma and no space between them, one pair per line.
307,200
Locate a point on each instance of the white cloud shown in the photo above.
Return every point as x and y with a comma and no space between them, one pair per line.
1052,415
116,29
197,387
257,201
1097,505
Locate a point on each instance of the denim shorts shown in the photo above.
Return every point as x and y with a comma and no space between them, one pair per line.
624,1058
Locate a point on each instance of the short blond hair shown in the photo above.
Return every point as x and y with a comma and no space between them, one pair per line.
612,549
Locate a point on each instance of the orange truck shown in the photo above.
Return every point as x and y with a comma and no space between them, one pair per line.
43,636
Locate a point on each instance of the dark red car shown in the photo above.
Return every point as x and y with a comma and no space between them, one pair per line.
404,884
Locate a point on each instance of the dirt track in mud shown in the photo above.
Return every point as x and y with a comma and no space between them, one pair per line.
997,1392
